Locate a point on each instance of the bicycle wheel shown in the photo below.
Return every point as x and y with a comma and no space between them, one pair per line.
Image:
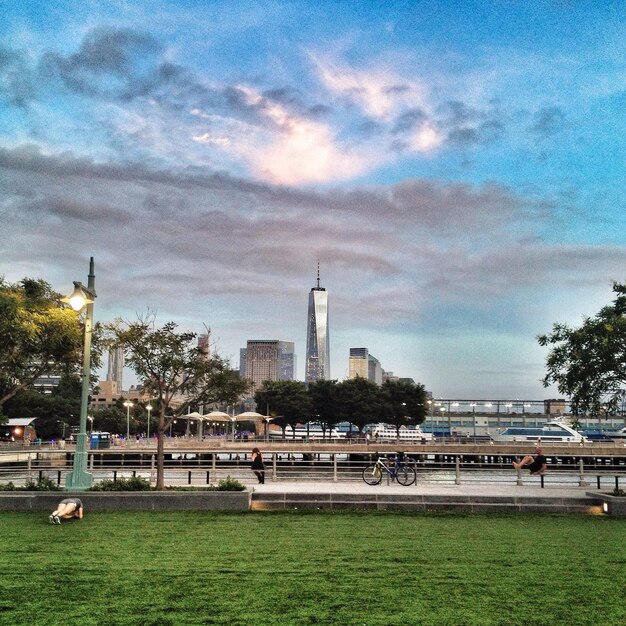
405,475
372,475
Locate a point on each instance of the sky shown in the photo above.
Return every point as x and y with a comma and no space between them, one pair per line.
457,168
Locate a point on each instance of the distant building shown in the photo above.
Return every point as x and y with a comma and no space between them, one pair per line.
115,371
317,366
554,407
390,376
267,359
242,362
203,344
364,365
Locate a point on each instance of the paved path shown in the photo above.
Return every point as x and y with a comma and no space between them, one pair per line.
430,488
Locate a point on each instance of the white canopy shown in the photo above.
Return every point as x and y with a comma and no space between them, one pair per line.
217,416
251,416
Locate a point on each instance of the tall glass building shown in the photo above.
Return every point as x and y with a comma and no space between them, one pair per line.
317,364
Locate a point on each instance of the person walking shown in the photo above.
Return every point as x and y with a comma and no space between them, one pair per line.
67,509
258,467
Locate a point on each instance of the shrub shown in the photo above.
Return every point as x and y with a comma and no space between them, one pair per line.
43,484
123,484
7,487
618,492
229,484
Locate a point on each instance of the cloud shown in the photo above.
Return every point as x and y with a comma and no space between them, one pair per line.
548,121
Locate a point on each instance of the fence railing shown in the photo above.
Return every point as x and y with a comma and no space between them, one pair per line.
192,468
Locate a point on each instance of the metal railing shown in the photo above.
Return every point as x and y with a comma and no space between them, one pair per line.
194,467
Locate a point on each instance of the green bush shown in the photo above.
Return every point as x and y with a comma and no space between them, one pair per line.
7,487
43,484
228,484
123,484
618,492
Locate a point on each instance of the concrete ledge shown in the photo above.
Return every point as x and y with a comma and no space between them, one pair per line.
130,500
277,501
612,505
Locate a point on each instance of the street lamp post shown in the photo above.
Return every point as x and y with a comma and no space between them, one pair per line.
79,479
149,409
128,404
473,405
432,417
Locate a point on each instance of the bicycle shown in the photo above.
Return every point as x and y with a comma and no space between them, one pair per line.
396,468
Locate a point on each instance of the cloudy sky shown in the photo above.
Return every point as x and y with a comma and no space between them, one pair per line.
457,167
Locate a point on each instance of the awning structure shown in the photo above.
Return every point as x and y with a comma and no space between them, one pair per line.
251,416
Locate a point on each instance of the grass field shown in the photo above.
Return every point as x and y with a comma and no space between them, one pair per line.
352,568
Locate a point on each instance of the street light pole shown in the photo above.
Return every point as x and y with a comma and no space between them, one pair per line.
79,479
128,404
149,409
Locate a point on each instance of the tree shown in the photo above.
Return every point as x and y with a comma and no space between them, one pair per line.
38,336
403,403
288,400
175,373
589,363
359,401
56,412
325,396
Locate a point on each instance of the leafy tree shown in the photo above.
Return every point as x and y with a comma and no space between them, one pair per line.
57,411
359,401
589,363
175,373
325,396
288,400
403,403
38,336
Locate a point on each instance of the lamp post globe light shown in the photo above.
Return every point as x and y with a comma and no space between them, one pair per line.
79,478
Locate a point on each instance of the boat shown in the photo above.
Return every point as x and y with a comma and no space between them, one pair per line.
617,436
551,432
386,432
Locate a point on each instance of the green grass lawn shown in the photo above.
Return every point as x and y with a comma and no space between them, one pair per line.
294,568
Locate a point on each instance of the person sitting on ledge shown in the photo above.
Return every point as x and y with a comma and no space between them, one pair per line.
67,508
536,464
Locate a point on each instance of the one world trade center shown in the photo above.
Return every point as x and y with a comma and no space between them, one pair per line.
317,340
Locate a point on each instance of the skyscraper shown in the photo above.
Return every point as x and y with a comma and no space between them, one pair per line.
317,364
268,359
116,366
364,365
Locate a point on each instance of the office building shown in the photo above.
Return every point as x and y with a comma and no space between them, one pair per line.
116,366
267,359
364,365
317,364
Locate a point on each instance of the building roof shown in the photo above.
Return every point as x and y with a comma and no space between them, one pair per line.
21,421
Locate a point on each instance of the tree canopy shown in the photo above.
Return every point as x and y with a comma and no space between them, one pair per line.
287,400
358,401
589,363
174,372
403,403
38,336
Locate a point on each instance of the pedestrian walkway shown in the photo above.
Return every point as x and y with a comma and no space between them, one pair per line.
422,497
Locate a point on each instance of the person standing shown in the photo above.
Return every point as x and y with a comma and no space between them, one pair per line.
67,509
258,467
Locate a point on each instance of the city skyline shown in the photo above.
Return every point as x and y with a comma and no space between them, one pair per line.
457,169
